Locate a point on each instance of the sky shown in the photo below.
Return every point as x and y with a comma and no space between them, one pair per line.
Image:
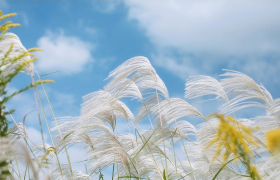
85,40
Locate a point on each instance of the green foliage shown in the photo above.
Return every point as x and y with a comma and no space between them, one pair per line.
10,66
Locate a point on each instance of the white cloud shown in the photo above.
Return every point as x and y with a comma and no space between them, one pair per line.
66,53
181,68
210,26
106,6
35,136
209,32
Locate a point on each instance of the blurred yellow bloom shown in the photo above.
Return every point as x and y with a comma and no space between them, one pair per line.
254,173
233,136
273,140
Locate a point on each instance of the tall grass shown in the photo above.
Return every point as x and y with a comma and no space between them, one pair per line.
222,147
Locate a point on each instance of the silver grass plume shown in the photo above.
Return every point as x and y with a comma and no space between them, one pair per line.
49,153
55,174
243,88
90,132
144,110
18,132
125,88
140,71
140,155
104,153
18,49
106,108
173,109
202,164
197,86
9,151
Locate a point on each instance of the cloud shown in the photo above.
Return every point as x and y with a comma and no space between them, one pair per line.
180,67
35,136
210,26
217,33
63,53
106,6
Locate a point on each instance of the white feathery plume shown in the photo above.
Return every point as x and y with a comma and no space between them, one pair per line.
276,103
141,162
184,129
125,88
103,147
240,102
105,106
266,123
244,88
148,83
151,167
147,160
270,161
18,48
79,175
144,110
102,154
49,149
269,169
197,86
56,174
9,150
202,165
139,70
22,154
173,109
142,156
74,130
18,131
160,135
68,126
258,133
206,132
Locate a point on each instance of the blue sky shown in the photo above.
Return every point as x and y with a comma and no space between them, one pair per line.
85,40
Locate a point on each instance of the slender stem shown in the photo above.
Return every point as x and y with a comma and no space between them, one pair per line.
113,171
68,158
49,131
18,167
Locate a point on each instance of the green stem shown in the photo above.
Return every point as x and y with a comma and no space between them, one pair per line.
68,158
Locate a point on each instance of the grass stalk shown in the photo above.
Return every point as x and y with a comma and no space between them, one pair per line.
66,151
18,167
44,113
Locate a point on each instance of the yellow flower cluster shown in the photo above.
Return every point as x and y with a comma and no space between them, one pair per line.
254,173
6,61
7,25
233,136
273,140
